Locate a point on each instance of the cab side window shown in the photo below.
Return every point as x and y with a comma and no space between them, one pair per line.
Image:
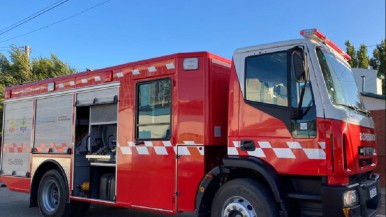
154,102
266,79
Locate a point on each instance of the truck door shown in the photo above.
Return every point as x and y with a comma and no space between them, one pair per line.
278,113
152,170
17,138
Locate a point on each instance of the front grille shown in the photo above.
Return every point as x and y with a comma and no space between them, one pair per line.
366,151
358,178
365,162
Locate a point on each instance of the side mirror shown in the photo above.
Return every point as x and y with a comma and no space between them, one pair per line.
300,66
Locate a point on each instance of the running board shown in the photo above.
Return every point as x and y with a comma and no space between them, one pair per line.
304,196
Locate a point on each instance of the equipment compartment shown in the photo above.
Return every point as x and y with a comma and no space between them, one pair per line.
96,140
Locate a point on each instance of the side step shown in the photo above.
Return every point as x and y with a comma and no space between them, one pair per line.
304,196
310,205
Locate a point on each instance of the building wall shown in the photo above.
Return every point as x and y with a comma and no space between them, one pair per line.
380,129
372,103
372,83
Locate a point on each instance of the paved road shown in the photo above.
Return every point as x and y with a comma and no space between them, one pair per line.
382,209
13,204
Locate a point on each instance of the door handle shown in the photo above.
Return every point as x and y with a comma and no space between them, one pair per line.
139,142
247,145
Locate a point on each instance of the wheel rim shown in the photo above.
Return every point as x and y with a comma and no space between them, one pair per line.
238,207
51,196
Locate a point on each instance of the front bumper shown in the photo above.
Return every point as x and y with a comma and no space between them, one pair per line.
332,199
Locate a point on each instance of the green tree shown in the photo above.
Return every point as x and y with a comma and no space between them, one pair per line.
350,50
21,66
363,59
378,62
48,68
4,63
19,69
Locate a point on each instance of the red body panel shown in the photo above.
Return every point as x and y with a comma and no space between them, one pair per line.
191,170
272,138
201,108
197,94
340,131
142,172
93,78
17,183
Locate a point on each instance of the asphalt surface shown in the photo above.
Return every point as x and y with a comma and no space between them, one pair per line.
382,209
14,204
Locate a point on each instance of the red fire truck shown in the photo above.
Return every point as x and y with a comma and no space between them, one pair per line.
278,131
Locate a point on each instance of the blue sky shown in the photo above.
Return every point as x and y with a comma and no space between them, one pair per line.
123,31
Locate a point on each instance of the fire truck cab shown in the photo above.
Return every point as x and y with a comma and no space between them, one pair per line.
297,111
278,131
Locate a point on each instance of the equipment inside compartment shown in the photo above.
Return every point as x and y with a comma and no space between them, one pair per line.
96,132
102,140
95,153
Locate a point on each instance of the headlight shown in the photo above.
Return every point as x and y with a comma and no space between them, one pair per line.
350,198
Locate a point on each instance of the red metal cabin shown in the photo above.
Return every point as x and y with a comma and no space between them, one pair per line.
279,131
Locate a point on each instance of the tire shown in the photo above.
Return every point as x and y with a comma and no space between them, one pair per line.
53,194
79,209
243,198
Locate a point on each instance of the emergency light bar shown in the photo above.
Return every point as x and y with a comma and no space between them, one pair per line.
318,36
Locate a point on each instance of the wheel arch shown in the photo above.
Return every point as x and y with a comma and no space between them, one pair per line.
233,168
37,176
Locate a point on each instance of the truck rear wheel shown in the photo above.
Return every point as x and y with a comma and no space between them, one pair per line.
52,194
243,198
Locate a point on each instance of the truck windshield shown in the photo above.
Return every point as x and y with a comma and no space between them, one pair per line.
340,82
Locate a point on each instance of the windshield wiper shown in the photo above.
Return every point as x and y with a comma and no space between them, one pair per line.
365,112
355,108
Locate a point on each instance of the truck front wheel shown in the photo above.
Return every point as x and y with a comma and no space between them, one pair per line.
243,198
52,194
